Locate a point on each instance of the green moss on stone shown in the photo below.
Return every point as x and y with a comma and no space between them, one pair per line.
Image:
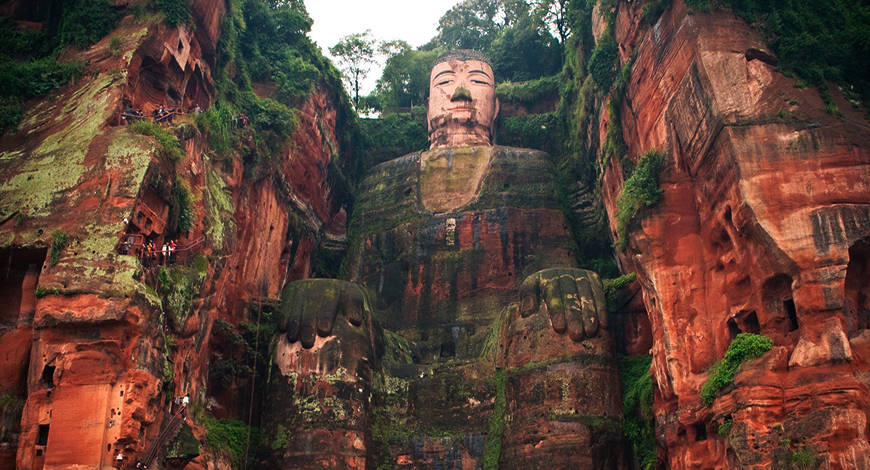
492,448
219,211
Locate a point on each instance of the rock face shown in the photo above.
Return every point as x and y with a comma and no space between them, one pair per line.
762,228
89,352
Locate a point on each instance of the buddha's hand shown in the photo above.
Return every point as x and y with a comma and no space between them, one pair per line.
573,299
325,307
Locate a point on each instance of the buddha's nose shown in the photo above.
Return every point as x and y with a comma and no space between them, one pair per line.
461,94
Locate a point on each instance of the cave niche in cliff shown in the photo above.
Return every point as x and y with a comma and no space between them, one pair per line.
779,305
18,280
42,435
857,302
743,322
48,376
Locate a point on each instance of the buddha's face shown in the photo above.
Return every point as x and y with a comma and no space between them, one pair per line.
462,104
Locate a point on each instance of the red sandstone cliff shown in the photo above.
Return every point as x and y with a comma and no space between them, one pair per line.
91,362
763,228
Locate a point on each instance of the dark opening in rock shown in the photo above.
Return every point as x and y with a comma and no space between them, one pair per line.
857,302
751,324
789,308
48,376
733,329
700,432
448,349
42,435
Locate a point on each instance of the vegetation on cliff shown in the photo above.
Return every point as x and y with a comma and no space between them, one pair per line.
230,437
637,403
640,190
745,347
816,41
27,70
267,42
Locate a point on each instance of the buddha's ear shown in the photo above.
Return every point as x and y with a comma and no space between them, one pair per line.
497,107
428,121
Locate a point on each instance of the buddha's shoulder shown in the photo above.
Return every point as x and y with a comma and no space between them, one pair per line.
501,151
405,163
397,172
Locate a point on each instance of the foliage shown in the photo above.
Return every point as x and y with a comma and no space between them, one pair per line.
178,286
58,243
817,41
525,52
725,428
746,346
115,46
555,13
637,402
516,35
405,79
266,42
85,22
20,43
612,287
355,53
803,459
41,292
471,24
641,189
390,136
216,124
10,112
36,78
175,12
169,146
615,146
282,438
604,61
529,92
654,9
492,448
537,131
181,217
230,436
168,371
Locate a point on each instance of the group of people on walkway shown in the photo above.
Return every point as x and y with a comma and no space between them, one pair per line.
153,256
164,114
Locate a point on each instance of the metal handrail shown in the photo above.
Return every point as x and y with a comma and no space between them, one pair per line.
165,436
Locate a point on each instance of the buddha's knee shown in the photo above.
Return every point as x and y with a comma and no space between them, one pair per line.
319,397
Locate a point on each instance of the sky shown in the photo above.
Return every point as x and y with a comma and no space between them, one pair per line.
415,21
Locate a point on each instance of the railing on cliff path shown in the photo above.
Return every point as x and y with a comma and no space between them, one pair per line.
134,244
165,436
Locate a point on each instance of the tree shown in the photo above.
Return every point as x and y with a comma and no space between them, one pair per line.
474,24
355,53
525,52
405,79
554,15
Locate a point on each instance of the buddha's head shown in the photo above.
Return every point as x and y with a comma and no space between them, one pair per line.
462,101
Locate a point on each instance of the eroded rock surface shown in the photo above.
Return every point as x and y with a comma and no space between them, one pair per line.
762,229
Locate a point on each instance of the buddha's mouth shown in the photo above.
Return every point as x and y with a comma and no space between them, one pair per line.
462,108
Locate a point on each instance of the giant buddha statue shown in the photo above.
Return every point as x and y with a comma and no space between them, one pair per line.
464,331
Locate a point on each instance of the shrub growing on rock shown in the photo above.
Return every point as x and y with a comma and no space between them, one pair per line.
641,188
745,347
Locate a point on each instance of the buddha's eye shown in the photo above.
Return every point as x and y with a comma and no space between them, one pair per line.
479,82
445,82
